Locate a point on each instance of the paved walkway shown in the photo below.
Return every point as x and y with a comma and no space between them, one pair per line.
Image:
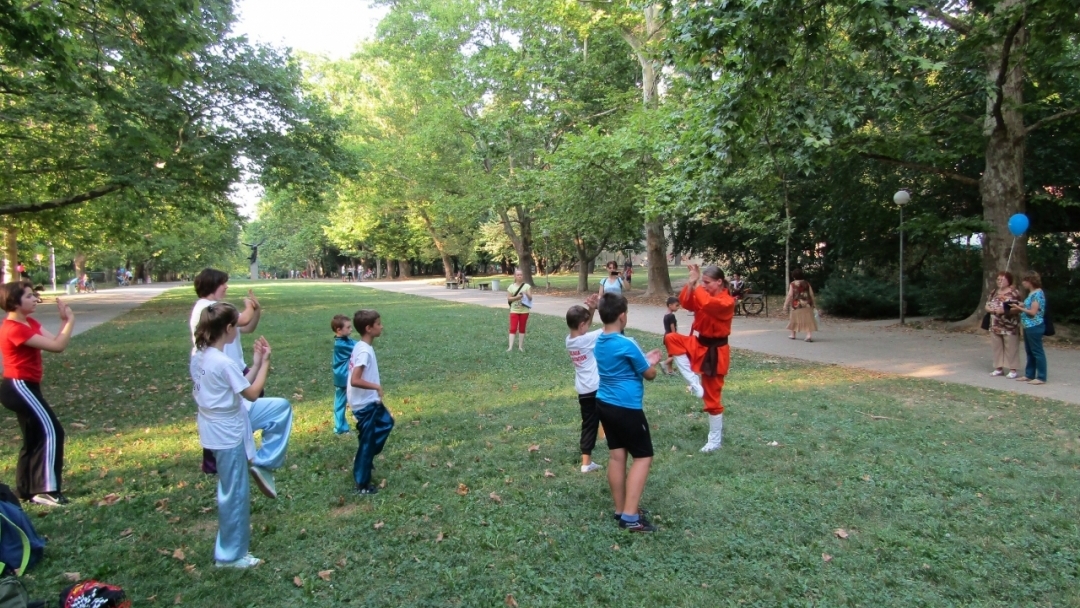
874,345
93,309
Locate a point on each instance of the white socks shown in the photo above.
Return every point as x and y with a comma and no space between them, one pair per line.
692,379
716,432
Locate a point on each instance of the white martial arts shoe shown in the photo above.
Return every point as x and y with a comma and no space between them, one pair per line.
716,433
693,382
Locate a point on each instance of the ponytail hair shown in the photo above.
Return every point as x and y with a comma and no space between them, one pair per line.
214,321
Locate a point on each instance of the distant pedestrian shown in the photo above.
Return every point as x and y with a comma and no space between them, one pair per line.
519,296
628,273
800,302
612,283
1004,325
1033,317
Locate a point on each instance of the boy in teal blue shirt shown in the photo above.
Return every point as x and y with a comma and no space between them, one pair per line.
343,347
622,366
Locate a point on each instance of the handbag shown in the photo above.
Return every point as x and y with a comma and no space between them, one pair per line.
986,321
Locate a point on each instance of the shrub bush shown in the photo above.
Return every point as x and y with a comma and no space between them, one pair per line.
950,284
859,296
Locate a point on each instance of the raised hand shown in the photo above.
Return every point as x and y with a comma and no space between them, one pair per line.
653,356
251,300
592,301
65,311
695,273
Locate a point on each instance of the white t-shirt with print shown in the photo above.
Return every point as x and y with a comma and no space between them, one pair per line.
363,355
586,380
234,349
222,420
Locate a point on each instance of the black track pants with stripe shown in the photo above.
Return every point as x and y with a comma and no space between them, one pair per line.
41,458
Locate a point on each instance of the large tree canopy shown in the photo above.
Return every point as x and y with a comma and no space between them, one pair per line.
152,102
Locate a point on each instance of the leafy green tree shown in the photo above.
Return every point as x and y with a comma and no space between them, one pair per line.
958,91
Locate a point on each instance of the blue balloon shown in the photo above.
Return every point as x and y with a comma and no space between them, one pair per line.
1018,224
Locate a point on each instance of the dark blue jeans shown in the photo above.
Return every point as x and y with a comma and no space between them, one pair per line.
1036,356
373,423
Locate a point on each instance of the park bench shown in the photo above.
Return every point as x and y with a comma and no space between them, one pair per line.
453,284
484,285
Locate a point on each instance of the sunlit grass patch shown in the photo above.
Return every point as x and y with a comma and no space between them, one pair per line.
946,494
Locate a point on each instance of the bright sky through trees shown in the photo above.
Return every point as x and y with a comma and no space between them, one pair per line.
326,27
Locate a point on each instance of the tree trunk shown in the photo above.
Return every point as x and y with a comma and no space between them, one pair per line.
1002,184
522,240
80,263
404,269
583,265
656,249
11,254
378,268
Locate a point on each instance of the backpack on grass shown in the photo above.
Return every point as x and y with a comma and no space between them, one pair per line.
20,545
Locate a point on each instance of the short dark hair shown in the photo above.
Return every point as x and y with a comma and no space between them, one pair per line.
1033,278
11,294
576,315
338,322
611,306
363,319
208,281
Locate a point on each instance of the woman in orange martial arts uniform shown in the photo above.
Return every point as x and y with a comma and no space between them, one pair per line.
706,295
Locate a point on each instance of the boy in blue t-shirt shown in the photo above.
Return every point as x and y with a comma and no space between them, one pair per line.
343,347
621,366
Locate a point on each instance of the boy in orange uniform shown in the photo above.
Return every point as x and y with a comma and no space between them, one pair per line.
705,295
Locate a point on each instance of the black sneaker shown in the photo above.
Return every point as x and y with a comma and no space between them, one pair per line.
368,489
641,513
641,525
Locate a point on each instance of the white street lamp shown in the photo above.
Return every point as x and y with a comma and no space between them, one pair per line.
901,198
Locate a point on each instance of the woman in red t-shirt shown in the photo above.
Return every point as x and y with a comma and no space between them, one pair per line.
22,338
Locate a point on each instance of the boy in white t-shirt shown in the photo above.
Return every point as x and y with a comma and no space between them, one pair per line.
365,395
579,345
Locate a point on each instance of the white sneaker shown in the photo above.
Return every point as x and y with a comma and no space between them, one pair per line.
998,372
589,468
248,561
1011,376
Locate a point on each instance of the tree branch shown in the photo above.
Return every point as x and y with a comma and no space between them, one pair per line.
963,179
1003,71
952,22
13,208
1050,119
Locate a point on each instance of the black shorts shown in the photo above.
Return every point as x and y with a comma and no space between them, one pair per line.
626,429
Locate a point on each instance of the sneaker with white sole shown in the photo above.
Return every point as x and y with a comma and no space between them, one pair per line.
996,372
589,468
248,561
49,499
1011,376
641,525
265,480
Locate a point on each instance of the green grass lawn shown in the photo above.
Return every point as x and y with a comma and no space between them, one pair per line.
958,497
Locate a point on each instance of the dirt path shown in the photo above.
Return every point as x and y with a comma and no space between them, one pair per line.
881,346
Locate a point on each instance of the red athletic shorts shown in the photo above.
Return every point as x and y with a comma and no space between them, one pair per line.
518,320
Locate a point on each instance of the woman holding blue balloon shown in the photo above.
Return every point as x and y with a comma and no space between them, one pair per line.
1032,316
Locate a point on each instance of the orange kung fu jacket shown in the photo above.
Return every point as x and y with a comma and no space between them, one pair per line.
712,319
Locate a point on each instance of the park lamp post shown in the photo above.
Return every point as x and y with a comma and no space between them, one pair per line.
901,198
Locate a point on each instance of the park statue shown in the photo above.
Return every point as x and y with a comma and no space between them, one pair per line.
254,258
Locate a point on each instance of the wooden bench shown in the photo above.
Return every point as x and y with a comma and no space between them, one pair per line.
452,284
484,285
